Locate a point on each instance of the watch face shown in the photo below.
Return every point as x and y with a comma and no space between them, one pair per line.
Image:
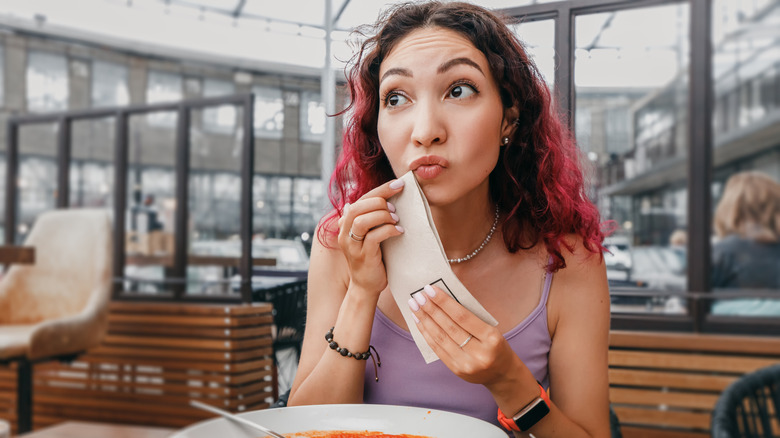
532,414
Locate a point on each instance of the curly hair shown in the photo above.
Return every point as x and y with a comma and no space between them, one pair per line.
538,181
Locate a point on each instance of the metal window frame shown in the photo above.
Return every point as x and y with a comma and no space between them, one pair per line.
700,152
121,115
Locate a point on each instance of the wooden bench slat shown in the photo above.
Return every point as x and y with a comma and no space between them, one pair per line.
655,397
190,321
145,308
656,418
190,343
134,402
697,362
173,364
199,332
55,369
157,384
761,345
642,432
214,356
662,379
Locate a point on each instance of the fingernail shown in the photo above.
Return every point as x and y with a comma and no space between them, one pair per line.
414,317
420,298
346,206
413,305
391,207
394,217
399,228
397,184
429,290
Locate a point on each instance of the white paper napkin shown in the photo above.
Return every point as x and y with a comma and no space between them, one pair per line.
416,258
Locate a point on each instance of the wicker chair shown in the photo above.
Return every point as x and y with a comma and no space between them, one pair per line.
614,425
749,407
289,301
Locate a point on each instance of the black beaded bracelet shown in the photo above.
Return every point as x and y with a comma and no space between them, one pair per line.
359,356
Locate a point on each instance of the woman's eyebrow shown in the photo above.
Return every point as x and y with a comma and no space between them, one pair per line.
458,61
397,71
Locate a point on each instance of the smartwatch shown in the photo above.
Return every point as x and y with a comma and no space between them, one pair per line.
527,417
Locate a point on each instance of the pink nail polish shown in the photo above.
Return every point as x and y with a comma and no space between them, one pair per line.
429,290
399,228
397,184
391,207
394,217
420,298
413,305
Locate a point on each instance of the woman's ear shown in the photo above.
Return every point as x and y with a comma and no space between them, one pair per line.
508,126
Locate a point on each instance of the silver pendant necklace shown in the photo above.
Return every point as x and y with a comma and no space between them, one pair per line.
484,242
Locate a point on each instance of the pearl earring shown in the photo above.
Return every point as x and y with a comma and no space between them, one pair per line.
505,141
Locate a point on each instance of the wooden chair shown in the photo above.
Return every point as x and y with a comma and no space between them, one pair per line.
57,307
749,407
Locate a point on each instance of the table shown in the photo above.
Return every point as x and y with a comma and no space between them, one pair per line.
83,429
17,254
194,260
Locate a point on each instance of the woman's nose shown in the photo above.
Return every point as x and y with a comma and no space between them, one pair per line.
428,126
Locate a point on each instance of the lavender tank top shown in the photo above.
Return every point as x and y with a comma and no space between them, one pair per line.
405,379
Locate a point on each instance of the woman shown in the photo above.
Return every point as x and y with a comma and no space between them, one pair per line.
446,91
746,254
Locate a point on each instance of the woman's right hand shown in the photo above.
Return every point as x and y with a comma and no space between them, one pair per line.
362,227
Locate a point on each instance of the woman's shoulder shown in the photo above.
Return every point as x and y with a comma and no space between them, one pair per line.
579,256
585,273
581,287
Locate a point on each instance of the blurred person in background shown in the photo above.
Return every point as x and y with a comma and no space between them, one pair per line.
746,253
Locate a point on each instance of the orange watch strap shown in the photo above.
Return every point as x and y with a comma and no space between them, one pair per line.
509,423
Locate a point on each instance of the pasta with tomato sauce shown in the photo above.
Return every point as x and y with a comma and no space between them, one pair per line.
349,434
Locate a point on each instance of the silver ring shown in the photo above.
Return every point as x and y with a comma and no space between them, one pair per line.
355,237
463,344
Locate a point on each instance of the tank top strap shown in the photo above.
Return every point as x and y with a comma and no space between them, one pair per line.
548,276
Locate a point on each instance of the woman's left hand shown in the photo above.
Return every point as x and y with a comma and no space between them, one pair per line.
472,349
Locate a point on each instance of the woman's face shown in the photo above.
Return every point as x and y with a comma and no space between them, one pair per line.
440,114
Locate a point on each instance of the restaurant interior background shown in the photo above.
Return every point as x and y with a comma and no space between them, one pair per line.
667,99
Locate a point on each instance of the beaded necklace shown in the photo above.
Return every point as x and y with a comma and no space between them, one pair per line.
484,242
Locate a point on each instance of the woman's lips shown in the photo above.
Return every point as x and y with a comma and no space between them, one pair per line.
428,171
429,166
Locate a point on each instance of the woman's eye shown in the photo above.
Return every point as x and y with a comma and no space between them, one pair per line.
461,91
395,100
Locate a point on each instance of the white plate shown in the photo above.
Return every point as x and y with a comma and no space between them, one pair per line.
383,418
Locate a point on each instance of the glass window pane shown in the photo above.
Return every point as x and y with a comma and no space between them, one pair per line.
631,125
163,87
2,77
221,119
92,163
269,112
214,206
47,82
539,40
312,116
746,193
151,208
109,84
37,175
